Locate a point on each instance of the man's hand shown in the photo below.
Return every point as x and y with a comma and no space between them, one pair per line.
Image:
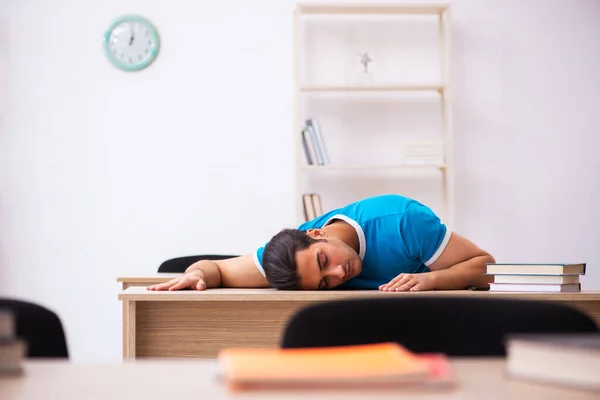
410,282
190,280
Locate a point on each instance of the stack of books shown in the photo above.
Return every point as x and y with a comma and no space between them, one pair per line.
424,152
524,277
561,359
12,349
369,366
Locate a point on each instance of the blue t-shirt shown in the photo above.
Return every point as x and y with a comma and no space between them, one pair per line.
396,235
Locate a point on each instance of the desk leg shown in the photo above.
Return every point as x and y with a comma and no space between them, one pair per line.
129,329
124,325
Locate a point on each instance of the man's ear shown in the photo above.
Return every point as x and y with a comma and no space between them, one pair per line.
316,233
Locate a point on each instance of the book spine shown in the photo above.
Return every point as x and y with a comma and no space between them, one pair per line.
310,149
316,200
308,152
322,155
309,209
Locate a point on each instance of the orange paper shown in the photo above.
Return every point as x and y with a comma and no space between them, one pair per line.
371,363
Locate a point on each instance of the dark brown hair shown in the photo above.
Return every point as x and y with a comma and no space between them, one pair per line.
279,258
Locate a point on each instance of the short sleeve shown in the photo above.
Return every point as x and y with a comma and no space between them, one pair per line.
425,235
258,254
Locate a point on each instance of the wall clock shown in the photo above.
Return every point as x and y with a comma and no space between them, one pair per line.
131,43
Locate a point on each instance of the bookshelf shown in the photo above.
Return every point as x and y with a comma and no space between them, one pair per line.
378,127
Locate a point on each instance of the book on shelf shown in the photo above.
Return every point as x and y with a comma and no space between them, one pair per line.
317,206
535,287
12,349
313,143
308,145
353,366
312,206
309,208
563,359
535,268
424,152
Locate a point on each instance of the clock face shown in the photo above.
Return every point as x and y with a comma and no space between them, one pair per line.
131,43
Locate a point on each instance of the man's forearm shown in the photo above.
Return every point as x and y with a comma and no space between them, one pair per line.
464,274
209,271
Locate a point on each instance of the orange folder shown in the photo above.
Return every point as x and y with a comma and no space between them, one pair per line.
358,365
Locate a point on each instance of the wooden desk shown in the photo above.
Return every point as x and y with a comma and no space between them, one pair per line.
197,379
198,323
144,280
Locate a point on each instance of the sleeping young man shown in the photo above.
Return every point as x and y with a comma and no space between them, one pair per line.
387,242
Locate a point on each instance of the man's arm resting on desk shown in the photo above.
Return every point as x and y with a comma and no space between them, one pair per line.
237,272
462,264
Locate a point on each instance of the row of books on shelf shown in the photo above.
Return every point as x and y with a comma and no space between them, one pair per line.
12,348
536,277
312,206
414,152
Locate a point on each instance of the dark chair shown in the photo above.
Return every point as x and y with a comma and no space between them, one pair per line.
180,264
40,328
453,325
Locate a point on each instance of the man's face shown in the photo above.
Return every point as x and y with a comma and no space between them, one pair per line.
327,264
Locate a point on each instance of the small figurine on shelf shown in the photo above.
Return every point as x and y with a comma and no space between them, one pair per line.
365,76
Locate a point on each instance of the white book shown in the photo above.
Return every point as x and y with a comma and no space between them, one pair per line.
537,279
308,143
535,269
316,199
543,359
514,287
12,354
309,208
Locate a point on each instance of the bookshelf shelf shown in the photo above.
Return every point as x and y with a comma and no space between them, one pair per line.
386,123
372,88
368,167
371,9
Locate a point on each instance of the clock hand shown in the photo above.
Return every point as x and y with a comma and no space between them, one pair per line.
132,35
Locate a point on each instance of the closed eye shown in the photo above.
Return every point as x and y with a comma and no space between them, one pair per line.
322,284
322,264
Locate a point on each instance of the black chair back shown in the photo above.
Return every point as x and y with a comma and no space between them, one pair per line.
180,264
40,328
456,326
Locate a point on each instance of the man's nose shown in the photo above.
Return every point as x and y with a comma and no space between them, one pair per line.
338,271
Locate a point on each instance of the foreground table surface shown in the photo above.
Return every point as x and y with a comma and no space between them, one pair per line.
198,379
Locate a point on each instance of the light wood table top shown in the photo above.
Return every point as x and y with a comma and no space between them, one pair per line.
158,277
140,293
198,379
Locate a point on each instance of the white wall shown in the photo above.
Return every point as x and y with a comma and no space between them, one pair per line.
106,173
526,122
